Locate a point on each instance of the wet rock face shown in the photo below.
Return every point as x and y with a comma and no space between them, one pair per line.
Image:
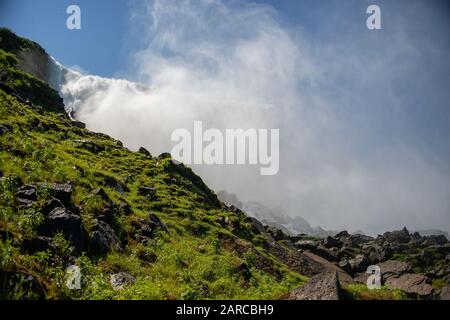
324,286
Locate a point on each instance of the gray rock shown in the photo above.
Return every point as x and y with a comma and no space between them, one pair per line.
324,286
445,293
388,269
412,283
393,268
120,280
399,236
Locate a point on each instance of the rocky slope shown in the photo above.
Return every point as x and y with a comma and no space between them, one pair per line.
140,226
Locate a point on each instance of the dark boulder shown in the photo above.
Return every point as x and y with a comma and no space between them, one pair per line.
145,152
156,222
113,183
244,271
71,226
359,263
147,192
330,242
60,191
26,194
5,128
326,253
101,193
434,240
164,155
146,228
20,285
50,205
426,257
359,239
341,235
78,124
38,244
103,240
276,233
257,226
125,209
345,265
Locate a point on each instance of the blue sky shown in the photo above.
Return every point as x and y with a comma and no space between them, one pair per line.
98,47
375,104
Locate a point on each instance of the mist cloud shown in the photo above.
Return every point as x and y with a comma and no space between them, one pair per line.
349,159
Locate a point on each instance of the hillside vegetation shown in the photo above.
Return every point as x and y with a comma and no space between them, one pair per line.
69,196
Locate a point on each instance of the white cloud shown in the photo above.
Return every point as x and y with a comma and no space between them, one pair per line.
233,65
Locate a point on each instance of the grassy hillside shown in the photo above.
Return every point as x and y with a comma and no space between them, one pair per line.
161,223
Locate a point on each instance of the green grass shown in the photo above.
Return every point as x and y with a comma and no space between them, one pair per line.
362,292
